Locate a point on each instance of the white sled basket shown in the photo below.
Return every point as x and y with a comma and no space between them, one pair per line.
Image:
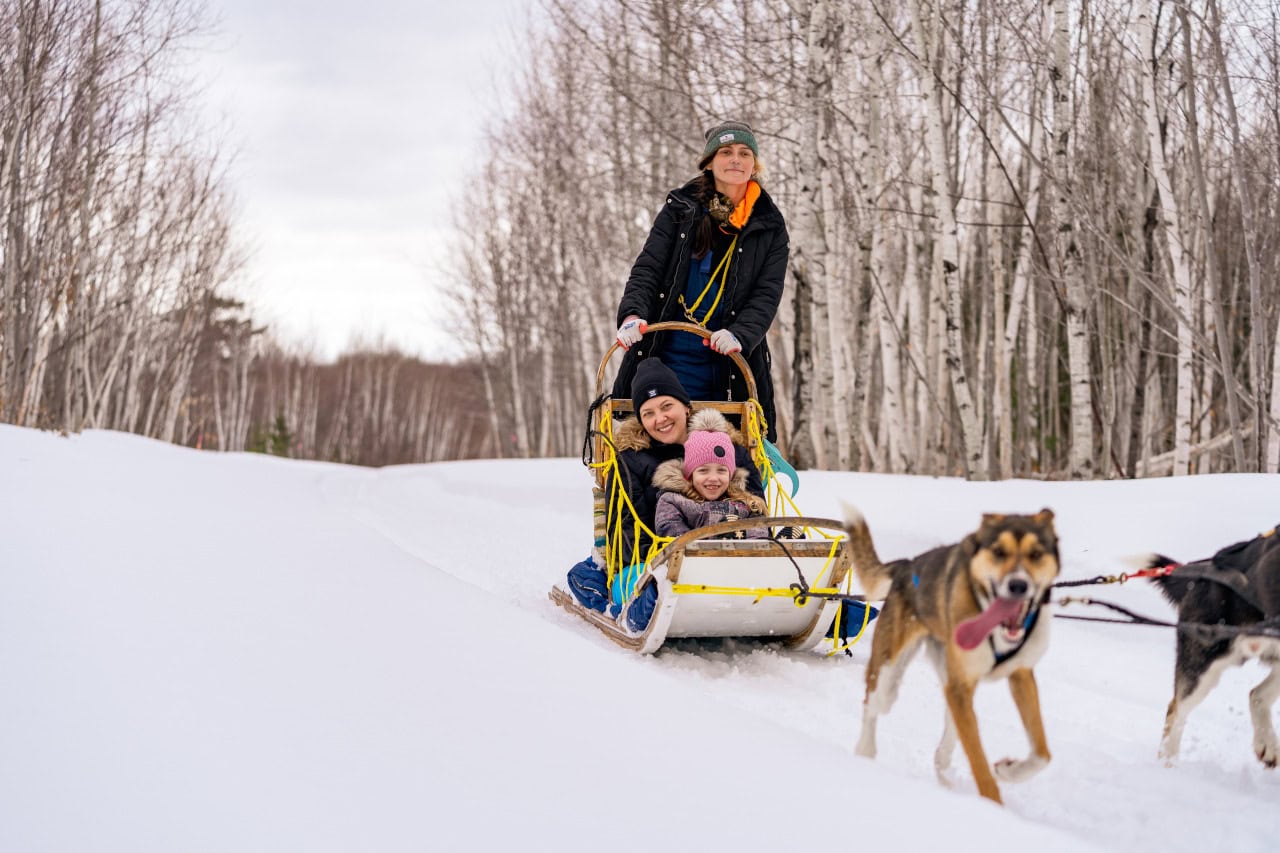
711,587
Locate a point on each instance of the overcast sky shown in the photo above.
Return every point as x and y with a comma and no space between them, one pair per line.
355,125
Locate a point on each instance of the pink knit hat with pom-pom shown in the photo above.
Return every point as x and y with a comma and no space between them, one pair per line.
704,447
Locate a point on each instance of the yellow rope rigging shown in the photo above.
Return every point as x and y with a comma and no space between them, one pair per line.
619,511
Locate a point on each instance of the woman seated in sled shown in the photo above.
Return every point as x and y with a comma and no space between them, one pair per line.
654,435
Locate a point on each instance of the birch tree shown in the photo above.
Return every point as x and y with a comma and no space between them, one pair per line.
1074,293
929,45
1177,247
973,217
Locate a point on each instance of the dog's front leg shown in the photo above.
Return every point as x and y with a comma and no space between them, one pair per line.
1171,737
1193,679
1026,695
960,702
1261,698
946,747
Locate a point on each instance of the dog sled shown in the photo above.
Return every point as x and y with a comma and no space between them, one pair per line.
707,585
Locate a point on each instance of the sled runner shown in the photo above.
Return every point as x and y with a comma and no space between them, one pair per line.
707,585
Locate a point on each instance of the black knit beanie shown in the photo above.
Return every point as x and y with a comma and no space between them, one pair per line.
655,379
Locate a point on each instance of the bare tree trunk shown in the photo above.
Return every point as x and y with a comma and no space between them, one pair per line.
873,247
1268,434
1139,415
975,463
1023,272
1178,251
811,257
1080,461
804,453
1213,286
999,419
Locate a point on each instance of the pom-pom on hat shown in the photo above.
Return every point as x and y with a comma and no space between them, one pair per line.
727,133
704,447
655,379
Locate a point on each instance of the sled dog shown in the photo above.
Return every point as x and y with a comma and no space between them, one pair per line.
1236,588
978,607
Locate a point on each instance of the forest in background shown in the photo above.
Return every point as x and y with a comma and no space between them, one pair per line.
1027,238
118,259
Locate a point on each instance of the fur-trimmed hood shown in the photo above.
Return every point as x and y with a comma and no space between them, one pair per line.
630,434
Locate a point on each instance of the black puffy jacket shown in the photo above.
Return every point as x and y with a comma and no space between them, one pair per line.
753,291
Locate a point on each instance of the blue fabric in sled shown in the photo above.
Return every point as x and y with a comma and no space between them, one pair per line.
589,584
850,619
624,585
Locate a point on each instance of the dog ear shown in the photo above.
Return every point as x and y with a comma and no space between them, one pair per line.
991,519
1044,516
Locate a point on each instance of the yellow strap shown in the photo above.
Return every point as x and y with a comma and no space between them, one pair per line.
755,592
724,276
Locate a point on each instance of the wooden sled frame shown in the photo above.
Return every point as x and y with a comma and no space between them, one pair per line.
715,587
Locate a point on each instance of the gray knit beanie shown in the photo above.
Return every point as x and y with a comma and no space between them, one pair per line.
727,133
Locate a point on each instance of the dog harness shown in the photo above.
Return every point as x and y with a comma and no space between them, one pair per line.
1027,625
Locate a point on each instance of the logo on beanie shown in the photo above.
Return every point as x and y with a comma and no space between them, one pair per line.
718,451
726,137
653,392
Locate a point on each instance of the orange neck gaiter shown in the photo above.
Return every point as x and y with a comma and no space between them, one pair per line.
742,212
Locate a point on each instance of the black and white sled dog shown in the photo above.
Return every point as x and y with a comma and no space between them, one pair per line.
1228,613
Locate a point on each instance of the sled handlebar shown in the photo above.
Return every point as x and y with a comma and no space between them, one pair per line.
680,326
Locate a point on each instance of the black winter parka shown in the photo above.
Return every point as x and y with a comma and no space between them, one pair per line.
753,291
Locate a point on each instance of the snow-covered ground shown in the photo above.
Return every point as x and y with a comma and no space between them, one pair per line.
235,652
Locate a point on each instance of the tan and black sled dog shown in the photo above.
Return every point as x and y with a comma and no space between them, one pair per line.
978,607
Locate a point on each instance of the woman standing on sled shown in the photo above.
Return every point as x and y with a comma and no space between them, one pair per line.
716,256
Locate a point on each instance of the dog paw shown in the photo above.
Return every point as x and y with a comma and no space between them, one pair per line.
947,777
1266,752
1019,769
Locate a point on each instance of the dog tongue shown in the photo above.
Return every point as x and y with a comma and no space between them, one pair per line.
971,632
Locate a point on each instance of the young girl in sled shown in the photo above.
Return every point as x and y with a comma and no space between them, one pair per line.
705,487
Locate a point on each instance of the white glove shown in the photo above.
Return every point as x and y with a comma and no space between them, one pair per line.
724,342
631,331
